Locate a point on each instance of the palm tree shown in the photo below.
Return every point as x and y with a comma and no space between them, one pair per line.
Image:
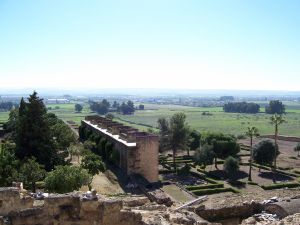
276,120
251,132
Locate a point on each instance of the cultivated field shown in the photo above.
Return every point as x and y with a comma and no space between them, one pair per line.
234,123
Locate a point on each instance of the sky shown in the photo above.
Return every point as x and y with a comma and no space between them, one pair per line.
178,44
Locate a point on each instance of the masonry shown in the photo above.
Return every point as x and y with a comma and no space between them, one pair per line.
138,151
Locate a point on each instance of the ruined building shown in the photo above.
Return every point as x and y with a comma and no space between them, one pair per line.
138,151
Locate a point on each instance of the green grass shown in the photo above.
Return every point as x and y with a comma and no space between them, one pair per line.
234,123
4,116
67,112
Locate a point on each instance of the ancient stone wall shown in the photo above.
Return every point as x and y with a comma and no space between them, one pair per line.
138,150
74,209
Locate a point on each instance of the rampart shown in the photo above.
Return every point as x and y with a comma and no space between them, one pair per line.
138,151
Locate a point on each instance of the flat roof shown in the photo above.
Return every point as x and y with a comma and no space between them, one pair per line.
116,136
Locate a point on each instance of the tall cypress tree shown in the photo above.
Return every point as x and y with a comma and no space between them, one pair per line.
34,137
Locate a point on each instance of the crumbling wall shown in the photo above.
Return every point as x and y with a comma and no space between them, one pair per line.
74,209
10,199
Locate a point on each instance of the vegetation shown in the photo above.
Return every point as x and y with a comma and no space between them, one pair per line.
66,179
100,107
93,164
78,108
241,107
33,136
297,149
275,107
176,134
231,166
31,172
264,152
126,108
7,106
204,155
222,145
251,132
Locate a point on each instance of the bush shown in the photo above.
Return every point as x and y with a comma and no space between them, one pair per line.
208,186
231,166
264,152
66,179
185,170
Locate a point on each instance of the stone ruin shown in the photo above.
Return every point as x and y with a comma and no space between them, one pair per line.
138,150
17,208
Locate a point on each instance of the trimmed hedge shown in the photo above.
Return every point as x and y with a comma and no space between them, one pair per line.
252,183
180,161
166,171
281,185
214,191
204,177
201,187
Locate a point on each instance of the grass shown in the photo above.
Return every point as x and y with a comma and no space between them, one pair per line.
234,123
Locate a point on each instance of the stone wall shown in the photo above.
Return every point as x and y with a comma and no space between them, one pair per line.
73,209
138,150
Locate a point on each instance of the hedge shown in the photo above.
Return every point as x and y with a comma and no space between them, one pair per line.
281,185
214,191
180,161
166,171
204,177
201,187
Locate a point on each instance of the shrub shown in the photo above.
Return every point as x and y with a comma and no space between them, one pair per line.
185,170
281,185
66,179
231,166
208,186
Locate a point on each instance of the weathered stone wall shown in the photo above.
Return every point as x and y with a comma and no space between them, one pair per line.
10,199
138,150
73,209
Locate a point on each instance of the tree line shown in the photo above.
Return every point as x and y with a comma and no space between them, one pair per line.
241,107
274,107
7,106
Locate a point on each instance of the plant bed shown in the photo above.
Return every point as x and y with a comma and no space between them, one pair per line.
280,185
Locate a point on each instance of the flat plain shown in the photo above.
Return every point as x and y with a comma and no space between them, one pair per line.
214,119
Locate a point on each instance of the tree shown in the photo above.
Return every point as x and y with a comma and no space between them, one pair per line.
195,137
231,166
8,164
164,130
241,107
225,148
179,134
204,155
251,132
275,107
93,164
141,107
276,120
31,172
297,149
33,138
264,152
76,150
66,179
109,116
100,107
78,108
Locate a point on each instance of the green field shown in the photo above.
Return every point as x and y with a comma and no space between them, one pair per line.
233,123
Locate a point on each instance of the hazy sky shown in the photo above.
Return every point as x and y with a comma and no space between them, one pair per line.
211,44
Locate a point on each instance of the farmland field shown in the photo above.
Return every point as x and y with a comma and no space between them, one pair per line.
218,121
